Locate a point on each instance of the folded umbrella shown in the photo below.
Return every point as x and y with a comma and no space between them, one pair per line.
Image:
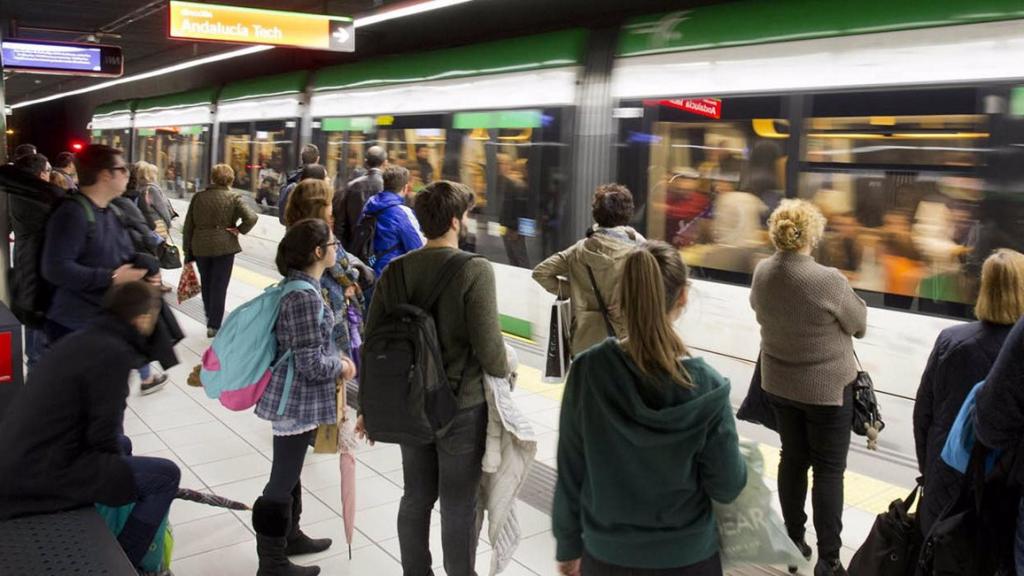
209,499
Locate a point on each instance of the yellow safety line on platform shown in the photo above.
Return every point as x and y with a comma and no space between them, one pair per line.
251,278
861,491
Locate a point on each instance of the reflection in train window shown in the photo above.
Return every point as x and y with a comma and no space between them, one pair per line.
902,197
261,154
179,153
712,182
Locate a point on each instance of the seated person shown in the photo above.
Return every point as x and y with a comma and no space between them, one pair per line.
61,437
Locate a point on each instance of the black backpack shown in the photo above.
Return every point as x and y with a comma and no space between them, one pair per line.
404,394
362,241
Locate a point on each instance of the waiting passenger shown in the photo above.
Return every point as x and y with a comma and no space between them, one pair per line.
64,174
349,206
89,247
36,165
466,316
23,150
342,282
310,155
999,414
808,313
151,199
303,327
62,436
215,218
31,200
603,253
646,440
961,358
309,171
397,231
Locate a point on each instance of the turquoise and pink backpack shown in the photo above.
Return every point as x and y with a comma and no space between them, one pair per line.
238,365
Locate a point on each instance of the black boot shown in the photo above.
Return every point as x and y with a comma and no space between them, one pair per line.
298,542
805,551
272,521
829,567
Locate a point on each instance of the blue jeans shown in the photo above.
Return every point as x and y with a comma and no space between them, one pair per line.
145,371
156,485
35,345
449,469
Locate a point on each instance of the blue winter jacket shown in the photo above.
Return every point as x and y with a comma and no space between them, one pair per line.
398,231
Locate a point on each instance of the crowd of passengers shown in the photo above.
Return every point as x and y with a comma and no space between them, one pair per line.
647,437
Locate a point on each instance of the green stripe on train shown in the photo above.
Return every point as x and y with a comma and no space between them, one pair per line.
760,21
177,100
516,327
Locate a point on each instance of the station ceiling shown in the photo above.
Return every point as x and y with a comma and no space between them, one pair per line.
140,28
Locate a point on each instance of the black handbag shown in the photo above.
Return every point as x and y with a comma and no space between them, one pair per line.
894,543
169,255
866,414
756,407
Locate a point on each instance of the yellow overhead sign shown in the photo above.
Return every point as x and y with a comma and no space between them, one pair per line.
218,23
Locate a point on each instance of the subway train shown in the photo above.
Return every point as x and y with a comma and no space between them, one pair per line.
905,125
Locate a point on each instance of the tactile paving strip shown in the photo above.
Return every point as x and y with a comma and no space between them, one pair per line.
74,543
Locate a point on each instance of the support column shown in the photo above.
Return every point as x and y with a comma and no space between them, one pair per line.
593,146
5,223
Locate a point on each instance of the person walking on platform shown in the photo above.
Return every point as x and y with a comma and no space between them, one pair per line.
297,407
348,206
397,231
89,247
466,317
314,171
808,313
309,155
215,218
646,440
603,253
63,446
962,357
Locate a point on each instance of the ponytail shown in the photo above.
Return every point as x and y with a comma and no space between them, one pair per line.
652,280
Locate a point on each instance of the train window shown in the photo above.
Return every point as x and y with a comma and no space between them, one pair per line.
712,181
261,153
179,153
901,192
117,138
511,160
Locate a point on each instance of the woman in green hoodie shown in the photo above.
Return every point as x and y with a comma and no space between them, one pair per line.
647,440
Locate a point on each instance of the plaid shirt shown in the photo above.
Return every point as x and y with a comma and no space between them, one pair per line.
300,328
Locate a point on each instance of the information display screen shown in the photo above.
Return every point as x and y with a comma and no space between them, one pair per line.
61,58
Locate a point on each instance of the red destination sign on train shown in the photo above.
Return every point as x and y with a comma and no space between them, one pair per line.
709,107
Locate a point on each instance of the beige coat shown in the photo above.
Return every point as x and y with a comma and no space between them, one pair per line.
565,274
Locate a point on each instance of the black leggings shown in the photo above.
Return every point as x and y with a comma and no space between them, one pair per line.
289,454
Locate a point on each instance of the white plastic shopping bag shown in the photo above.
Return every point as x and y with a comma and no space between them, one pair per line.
750,531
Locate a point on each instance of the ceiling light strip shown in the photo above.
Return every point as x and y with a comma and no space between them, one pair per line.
403,12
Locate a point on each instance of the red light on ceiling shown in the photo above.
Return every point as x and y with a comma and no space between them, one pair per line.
76,146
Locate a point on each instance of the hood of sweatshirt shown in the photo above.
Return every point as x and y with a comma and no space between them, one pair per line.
381,201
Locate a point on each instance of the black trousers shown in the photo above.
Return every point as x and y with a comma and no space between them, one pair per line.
816,438
591,566
214,276
286,468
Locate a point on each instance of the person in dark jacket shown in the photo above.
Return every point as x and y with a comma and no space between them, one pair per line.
215,218
514,205
297,408
310,155
63,446
646,440
962,357
31,200
348,206
398,231
314,171
999,413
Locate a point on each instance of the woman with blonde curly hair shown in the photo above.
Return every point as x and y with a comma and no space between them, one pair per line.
808,314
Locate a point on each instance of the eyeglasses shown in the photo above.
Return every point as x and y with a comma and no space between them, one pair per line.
336,243
121,168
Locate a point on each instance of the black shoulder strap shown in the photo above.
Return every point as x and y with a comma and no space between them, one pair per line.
90,215
600,302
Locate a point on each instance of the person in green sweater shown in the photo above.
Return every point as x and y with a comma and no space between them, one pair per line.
646,441
466,317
